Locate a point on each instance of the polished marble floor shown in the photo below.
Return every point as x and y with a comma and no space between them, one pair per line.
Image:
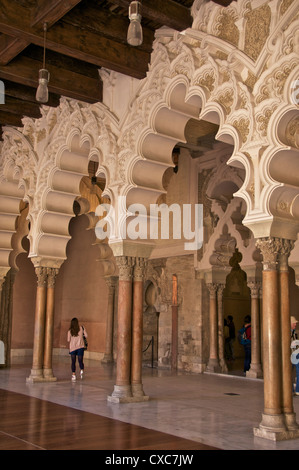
216,410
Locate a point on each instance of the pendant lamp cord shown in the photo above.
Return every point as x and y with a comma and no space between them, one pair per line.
45,33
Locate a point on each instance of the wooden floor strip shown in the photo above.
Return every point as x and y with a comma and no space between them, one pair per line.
28,423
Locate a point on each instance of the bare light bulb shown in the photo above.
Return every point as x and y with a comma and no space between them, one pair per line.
135,34
42,94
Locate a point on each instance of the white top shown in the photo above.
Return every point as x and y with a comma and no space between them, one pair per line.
76,342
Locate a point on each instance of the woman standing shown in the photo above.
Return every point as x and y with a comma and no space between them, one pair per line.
77,346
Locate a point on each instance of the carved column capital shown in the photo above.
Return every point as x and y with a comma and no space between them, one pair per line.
51,276
111,282
212,286
270,247
125,267
139,269
220,289
41,273
255,288
284,253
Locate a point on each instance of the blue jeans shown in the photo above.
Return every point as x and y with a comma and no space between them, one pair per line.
74,354
247,360
297,378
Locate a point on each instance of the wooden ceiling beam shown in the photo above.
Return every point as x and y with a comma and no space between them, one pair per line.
21,107
63,82
50,11
25,93
89,16
83,45
10,47
7,119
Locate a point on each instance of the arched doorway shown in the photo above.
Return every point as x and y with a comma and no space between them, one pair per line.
237,303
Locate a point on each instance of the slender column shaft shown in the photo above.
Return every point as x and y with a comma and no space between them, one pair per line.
122,388
213,363
221,344
287,394
174,311
49,325
39,324
108,357
271,330
255,366
137,328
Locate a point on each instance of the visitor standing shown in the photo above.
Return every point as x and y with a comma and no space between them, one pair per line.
232,337
244,335
75,338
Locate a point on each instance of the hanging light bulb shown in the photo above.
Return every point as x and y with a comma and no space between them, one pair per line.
42,94
135,34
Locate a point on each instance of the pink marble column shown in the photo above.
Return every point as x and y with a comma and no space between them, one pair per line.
174,311
122,389
49,325
111,283
39,326
213,364
273,425
221,342
287,394
137,329
255,366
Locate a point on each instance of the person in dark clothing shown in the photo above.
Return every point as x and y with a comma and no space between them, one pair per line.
231,339
245,339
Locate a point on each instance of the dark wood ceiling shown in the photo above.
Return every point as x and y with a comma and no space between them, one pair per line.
82,37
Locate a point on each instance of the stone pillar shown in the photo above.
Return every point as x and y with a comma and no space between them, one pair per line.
122,389
213,364
6,307
255,370
137,329
49,326
273,425
111,283
39,326
221,342
287,393
174,324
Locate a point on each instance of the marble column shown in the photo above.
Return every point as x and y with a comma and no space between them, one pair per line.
49,325
174,324
111,283
122,389
221,342
39,326
6,306
273,425
137,330
213,364
255,370
287,393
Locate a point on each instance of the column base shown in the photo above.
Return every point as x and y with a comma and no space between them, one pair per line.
255,371
213,366
137,392
291,423
274,428
123,394
223,366
107,359
41,375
